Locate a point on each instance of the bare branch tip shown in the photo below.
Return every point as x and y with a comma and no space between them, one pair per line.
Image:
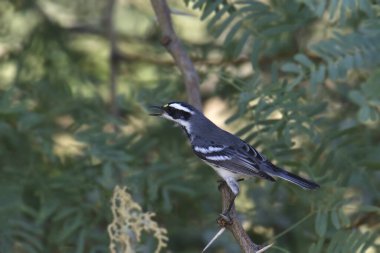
220,232
265,248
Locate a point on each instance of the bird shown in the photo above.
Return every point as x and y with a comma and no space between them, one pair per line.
232,158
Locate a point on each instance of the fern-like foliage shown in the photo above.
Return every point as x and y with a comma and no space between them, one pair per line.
276,29
315,63
341,11
266,28
339,54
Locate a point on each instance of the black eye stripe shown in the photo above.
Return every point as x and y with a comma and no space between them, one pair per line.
178,114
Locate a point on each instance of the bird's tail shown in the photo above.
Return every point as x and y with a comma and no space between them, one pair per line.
288,176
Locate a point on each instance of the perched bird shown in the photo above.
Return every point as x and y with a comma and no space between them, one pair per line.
232,158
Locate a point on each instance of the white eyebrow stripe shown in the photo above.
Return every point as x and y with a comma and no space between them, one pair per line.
208,150
181,107
218,158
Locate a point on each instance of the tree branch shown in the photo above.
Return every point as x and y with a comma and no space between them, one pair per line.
113,61
234,225
174,46
158,60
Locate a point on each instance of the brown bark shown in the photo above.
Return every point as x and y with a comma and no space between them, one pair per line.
234,225
113,62
174,46
171,42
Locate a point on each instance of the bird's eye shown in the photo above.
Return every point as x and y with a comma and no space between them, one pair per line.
177,114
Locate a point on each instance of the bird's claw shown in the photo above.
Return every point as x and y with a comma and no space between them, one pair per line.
220,183
224,220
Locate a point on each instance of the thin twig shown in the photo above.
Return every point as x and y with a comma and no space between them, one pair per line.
158,60
220,232
174,46
265,248
113,61
292,226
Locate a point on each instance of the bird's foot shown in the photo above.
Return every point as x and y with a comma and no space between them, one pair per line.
224,219
220,183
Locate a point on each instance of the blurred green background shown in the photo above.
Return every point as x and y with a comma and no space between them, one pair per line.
299,80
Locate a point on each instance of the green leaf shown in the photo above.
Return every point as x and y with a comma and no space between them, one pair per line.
365,5
245,129
253,6
278,30
31,243
336,243
332,70
210,7
223,26
304,60
320,74
70,226
358,59
263,20
29,121
321,223
242,42
369,208
199,3
81,241
321,8
357,97
348,63
47,211
335,219
295,81
368,242
256,50
333,8
232,32
374,102
317,247
64,213
291,67
374,115
217,17
364,114
344,218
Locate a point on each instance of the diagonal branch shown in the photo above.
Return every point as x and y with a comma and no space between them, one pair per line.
234,225
174,46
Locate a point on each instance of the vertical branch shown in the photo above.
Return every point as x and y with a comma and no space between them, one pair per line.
113,61
175,48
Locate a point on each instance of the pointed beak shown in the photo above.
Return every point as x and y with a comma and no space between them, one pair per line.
156,110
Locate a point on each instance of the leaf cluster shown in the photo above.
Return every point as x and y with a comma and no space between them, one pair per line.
310,105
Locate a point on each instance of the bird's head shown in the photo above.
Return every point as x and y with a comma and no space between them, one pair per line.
179,112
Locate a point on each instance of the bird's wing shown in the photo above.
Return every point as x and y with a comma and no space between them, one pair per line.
241,160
